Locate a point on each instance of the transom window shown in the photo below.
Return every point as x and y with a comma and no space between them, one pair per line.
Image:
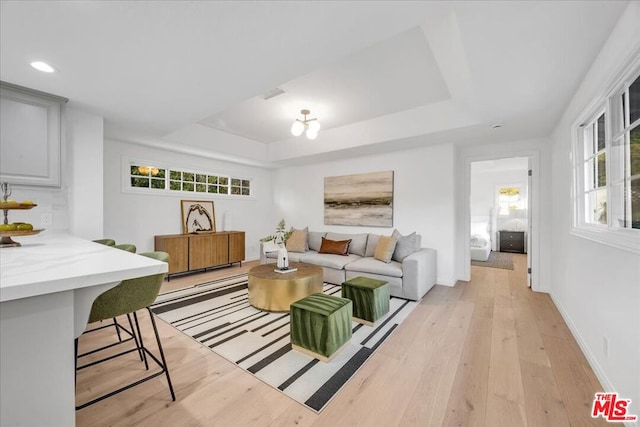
174,179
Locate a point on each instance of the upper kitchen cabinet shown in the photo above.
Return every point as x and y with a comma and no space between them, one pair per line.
31,132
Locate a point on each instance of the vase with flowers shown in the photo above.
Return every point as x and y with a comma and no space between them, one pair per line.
277,242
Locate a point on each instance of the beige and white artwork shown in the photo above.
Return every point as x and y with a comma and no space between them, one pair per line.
362,199
198,216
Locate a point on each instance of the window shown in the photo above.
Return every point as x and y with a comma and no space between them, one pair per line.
147,177
173,179
607,168
595,172
509,199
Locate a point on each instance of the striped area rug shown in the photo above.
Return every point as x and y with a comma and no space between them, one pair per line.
218,315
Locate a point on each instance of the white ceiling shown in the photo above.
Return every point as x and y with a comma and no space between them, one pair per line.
393,75
378,75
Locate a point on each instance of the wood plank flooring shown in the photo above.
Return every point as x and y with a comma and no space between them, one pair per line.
489,352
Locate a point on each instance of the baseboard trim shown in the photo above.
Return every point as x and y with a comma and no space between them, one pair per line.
597,369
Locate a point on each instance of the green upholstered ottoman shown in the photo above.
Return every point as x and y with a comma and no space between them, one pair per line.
370,298
321,325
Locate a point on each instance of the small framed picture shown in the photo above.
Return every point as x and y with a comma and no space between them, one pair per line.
198,216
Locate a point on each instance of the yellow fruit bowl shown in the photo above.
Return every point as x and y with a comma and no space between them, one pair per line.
16,205
20,232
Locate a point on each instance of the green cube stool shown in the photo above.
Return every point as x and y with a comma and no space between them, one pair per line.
370,298
321,325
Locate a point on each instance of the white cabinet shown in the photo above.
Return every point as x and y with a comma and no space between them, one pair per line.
30,136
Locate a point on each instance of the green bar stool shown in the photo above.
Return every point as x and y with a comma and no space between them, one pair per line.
108,242
126,247
370,298
128,297
321,325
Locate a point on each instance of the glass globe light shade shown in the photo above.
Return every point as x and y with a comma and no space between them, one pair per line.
310,134
314,126
297,128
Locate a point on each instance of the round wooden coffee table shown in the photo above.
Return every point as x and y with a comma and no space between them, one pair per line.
271,291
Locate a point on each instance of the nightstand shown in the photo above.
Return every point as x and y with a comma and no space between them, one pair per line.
512,241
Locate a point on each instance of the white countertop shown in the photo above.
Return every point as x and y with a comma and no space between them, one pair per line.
51,263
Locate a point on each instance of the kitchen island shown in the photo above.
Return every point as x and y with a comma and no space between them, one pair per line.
47,287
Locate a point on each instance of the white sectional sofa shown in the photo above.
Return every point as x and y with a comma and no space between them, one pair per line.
411,278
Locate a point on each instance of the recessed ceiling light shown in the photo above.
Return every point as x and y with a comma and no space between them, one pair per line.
42,66
496,126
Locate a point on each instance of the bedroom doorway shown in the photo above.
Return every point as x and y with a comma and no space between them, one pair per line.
500,213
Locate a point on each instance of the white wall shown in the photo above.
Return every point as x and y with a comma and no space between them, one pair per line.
597,287
423,199
137,217
85,141
484,185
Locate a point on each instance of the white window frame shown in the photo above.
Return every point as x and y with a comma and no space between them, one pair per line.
126,186
623,238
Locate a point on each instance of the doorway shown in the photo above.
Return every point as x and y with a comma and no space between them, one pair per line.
500,213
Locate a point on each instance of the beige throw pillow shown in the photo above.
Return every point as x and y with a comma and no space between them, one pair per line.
297,241
384,249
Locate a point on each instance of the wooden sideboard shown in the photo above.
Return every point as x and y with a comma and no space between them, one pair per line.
189,252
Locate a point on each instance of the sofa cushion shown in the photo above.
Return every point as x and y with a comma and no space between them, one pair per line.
372,243
405,246
297,241
293,256
336,247
315,240
328,260
358,244
385,248
374,266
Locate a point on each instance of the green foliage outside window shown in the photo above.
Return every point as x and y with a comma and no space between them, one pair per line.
156,178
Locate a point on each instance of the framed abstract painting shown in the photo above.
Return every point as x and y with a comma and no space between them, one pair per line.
364,199
198,216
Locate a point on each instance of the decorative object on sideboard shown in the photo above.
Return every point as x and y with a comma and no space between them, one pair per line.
198,216
15,228
312,126
362,199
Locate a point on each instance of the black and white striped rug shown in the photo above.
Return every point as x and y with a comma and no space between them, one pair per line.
218,315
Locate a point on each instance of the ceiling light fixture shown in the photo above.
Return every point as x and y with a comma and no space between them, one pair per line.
311,125
42,66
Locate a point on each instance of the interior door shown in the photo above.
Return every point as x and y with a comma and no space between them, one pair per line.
529,226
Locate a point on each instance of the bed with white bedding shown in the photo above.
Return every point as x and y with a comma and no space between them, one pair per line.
480,243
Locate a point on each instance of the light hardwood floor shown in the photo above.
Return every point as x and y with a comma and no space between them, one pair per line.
489,352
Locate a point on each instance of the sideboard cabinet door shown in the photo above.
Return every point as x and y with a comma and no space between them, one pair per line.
220,247
178,249
236,246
